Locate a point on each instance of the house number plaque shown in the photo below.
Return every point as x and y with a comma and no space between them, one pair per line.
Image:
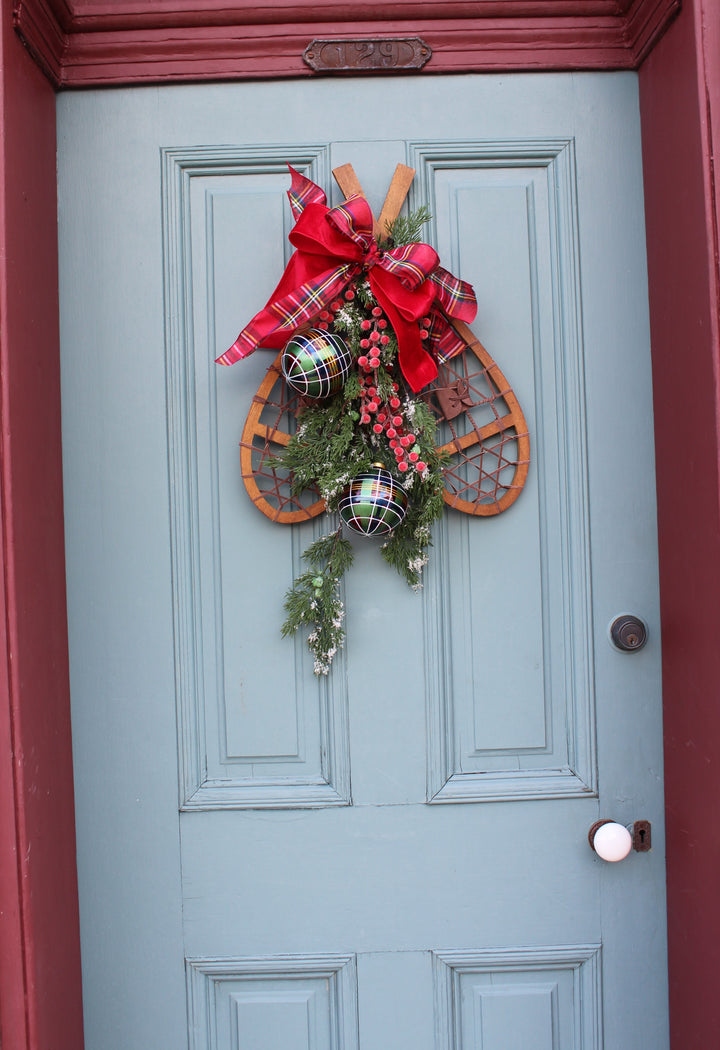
358,56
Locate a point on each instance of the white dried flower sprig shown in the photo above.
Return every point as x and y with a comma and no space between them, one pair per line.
314,600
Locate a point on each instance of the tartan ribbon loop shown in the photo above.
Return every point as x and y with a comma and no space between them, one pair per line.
334,247
353,219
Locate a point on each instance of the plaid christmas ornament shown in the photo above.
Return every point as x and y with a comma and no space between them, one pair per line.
316,363
373,503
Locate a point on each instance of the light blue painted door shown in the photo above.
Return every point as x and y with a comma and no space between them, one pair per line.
395,857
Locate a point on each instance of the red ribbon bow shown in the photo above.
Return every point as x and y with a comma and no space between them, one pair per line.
335,246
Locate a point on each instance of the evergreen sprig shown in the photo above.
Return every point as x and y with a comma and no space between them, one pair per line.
406,229
324,450
314,599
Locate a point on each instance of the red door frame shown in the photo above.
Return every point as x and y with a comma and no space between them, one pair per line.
680,108
39,941
39,938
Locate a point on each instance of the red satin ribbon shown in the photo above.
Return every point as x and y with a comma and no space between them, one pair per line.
335,246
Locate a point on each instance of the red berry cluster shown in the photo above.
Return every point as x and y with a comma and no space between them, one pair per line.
388,415
326,317
388,420
374,339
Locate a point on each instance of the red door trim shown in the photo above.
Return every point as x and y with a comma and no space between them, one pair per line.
680,106
680,109
40,1003
79,43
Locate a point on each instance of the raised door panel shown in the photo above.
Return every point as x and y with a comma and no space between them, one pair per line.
256,728
290,1003
527,999
512,712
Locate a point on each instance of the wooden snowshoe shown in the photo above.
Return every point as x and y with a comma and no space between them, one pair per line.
480,423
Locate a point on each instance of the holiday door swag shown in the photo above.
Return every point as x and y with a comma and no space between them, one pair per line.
381,404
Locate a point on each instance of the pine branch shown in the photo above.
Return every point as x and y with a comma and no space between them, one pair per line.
406,229
314,599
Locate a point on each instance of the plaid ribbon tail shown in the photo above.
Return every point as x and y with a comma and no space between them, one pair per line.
249,339
456,297
281,318
442,337
303,191
236,352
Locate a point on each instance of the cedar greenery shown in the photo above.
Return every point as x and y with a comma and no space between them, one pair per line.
336,439
314,599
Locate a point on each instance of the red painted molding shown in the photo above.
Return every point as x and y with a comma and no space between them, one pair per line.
645,24
43,35
94,42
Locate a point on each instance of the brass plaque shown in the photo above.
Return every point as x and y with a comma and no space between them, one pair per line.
367,55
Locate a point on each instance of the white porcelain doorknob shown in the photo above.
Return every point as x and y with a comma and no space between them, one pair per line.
611,841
